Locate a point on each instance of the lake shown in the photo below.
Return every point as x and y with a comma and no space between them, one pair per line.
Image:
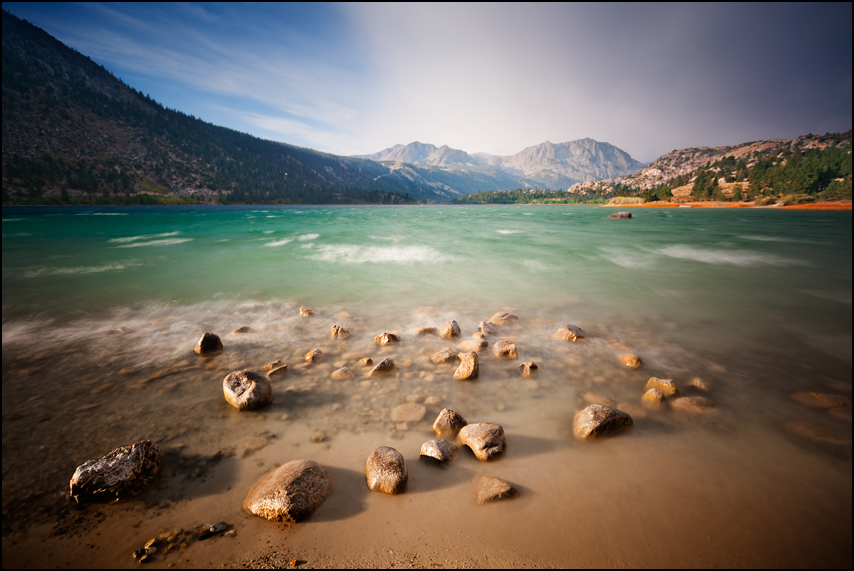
102,308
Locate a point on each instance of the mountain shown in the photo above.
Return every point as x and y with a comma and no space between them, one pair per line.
424,154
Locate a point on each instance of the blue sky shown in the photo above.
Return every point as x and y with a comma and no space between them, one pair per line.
357,78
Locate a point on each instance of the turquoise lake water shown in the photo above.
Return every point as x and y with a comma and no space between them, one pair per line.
757,302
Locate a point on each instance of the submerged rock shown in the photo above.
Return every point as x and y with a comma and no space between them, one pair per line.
243,329
490,489
697,406
503,318
386,338
591,397
813,432
386,471
421,331
246,390
366,362
469,368
486,439
505,349
624,214
570,333
305,311
443,356
314,356
597,420
473,345
120,474
653,398
450,330
821,400
666,386
274,365
441,450
409,412
384,367
209,344
699,383
630,360
488,328
277,372
291,493
528,368
342,374
338,332
448,424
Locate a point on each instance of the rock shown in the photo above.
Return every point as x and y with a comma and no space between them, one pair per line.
277,372
448,424
653,398
386,471
821,400
502,318
473,345
450,330
443,356
596,421
490,489
246,390
366,362
598,398
488,328
314,356
318,437
421,331
528,368
505,349
666,386
270,366
342,374
570,333
338,332
209,344
630,360
478,335
120,474
431,400
699,383
469,367
697,406
813,432
291,493
620,215
243,329
441,450
305,312
384,367
486,439
409,412
386,338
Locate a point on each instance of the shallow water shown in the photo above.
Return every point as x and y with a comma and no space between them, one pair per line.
102,307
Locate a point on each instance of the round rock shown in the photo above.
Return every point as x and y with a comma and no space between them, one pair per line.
505,349
697,406
386,471
291,493
653,398
305,311
342,374
445,355
528,368
473,345
486,439
421,331
666,386
630,360
120,474
314,356
488,328
503,318
597,420
570,333
448,424
209,344
247,389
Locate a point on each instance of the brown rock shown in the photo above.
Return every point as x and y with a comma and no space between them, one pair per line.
450,330
469,368
505,349
384,367
338,332
445,355
277,372
653,398
246,390
209,344
699,383
490,489
570,333
502,318
409,412
486,439
473,345
386,471
630,360
314,356
620,215
591,397
366,362
305,312
666,386
821,400
386,338
528,368
243,329
596,421
120,474
488,328
271,366
342,374
440,450
697,406
813,432
291,493
448,424
478,335
421,331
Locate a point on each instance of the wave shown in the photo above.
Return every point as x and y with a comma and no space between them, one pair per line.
379,254
509,231
767,238
142,237
626,258
13,219
74,271
279,242
727,257
168,242
305,237
101,214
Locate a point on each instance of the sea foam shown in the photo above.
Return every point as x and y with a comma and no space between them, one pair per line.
126,239
350,254
167,242
279,242
727,257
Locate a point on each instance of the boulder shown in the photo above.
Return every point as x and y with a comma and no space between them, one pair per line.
209,344
653,398
666,386
384,367
386,471
630,360
486,439
697,406
409,412
386,338
503,318
468,368
421,331
488,328
338,332
441,450
246,390
528,368
291,493
490,489
305,311
570,333
505,349
623,215
342,374
596,421
314,356
443,356
473,345
448,424
450,330
120,474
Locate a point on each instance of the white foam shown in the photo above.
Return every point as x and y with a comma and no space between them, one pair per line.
509,231
142,237
279,242
75,271
305,237
534,265
13,219
167,242
768,239
627,258
727,257
379,254
268,231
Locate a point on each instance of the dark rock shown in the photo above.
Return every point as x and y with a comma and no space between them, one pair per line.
505,349
120,474
441,450
386,471
291,493
448,424
469,368
490,489
209,344
247,390
624,214
450,330
243,329
596,421
384,367
486,439
570,333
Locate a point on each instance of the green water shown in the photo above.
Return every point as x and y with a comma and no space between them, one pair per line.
757,302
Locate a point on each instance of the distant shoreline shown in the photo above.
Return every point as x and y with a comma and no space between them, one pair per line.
715,204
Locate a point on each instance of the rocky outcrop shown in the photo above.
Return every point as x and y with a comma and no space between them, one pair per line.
597,421
450,330
383,368
440,450
490,489
570,333
246,390
448,424
469,367
486,439
291,493
505,350
122,473
386,471
209,344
